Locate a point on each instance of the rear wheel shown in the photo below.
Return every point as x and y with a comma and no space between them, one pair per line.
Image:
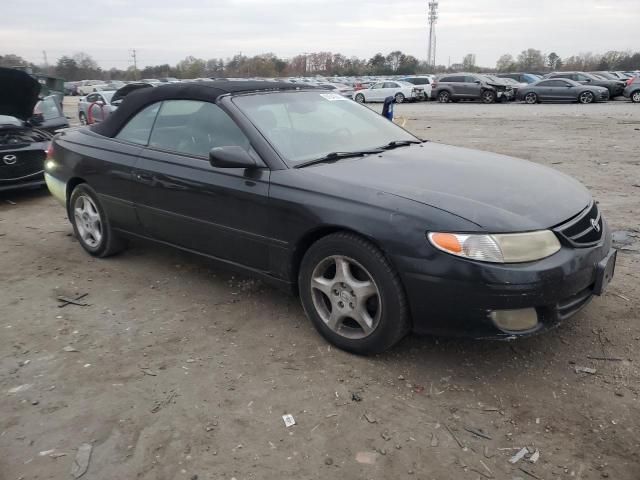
635,96
444,96
586,97
352,294
91,225
488,96
531,98
399,97
360,98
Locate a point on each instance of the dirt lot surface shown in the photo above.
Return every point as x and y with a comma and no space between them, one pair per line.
178,370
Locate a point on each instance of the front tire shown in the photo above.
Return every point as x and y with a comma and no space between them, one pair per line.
91,225
353,295
635,96
399,97
360,98
488,96
531,98
586,97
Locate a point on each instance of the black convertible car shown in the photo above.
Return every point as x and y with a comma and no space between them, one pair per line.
379,232
26,126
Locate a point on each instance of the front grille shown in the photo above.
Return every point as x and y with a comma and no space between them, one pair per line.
584,230
570,306
26,163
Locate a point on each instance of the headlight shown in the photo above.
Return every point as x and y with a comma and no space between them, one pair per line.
498,248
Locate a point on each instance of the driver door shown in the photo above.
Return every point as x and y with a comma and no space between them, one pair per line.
184,201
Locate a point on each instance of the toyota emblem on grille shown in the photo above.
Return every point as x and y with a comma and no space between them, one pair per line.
595,225
9,159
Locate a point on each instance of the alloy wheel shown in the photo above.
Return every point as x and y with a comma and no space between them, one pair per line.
635,97
88,221
399,98
443,97
346,297
531,98
586,97
488,97
360,98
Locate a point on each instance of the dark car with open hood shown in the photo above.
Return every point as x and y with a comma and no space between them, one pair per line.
379,232
27,124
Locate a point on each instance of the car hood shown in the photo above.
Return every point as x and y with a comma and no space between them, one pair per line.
496,192
18,93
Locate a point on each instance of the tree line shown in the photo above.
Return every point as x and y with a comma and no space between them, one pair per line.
82,66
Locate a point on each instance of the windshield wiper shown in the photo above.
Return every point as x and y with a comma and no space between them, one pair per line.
333,156
400,143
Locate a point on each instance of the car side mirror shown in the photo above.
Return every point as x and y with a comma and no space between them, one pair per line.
478,82
231,157
588,80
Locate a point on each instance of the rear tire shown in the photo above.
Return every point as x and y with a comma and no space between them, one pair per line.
531,98
91,225
360,98
353,295
444,96
635,96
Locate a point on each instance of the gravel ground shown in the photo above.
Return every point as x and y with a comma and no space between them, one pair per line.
178,370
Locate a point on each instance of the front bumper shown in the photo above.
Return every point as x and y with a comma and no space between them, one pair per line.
453,296
30,181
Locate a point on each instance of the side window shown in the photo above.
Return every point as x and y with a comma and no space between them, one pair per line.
92,98
581,78
138,129
390,85
459,79
194,128
470,79
378,85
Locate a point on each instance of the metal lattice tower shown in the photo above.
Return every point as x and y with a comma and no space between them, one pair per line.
433,18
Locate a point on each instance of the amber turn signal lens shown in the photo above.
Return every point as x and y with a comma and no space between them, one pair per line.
447,241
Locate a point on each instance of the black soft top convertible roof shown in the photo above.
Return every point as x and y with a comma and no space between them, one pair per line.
204,91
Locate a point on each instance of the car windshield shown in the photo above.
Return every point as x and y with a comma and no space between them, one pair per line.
107,95
303,126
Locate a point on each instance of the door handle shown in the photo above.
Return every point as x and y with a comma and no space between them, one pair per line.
143,177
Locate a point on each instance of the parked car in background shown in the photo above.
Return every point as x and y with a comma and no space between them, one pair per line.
379,232
71,88
400,91
95,107
469,86
520,77
85,87
339,88
423,81
632,90
562,90
615,87
23,144
168,80
48,115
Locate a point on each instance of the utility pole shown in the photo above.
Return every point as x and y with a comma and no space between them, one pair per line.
433,18
134,55
44,57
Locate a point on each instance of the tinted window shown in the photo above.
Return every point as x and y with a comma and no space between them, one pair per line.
471,79
581,78
453,79
553,83
138,129
194,128
378,85
390,85
419,81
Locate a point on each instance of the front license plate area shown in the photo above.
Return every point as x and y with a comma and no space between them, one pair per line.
604,272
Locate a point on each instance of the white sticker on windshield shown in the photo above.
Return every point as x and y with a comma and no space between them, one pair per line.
333,97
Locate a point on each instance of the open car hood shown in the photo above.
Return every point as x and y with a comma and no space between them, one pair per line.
18,93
